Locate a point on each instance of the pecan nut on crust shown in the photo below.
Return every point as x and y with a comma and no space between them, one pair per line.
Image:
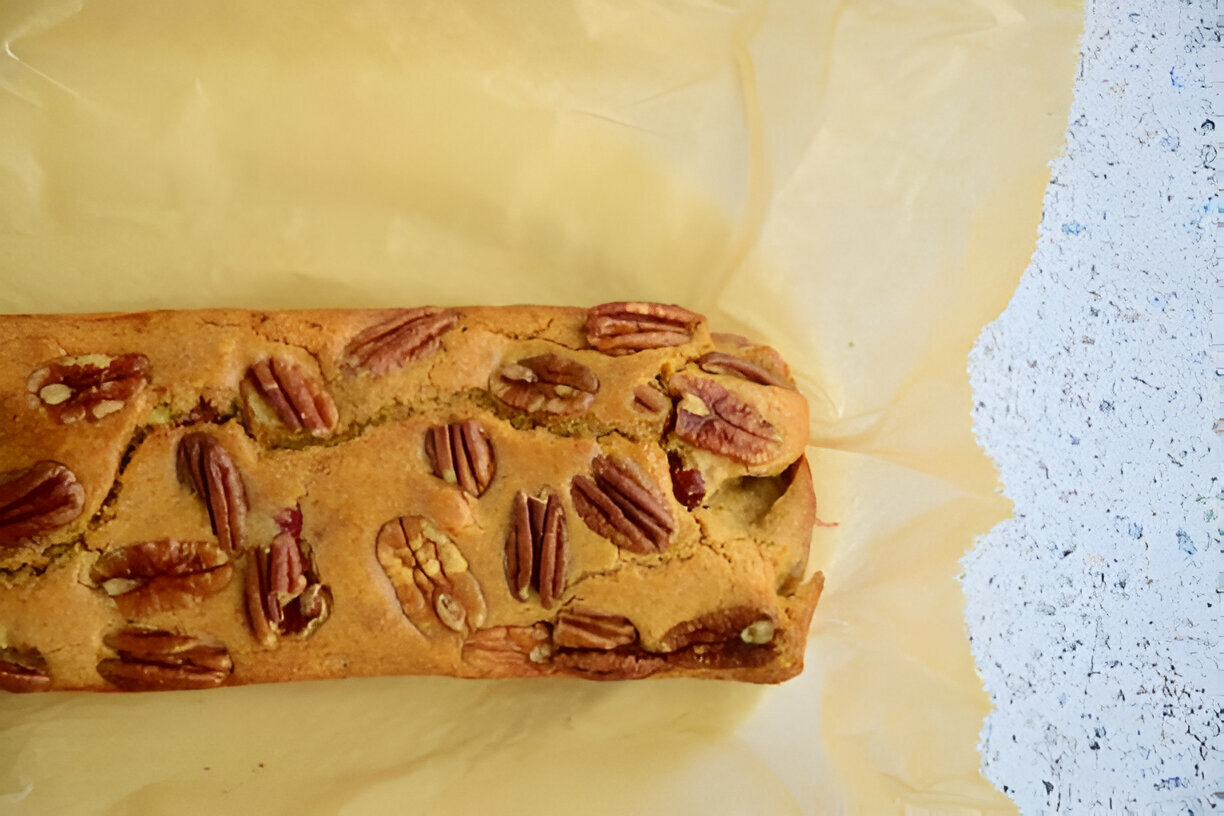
88,387
719,362
734,637
153,576
546,383
41,498
435,588
460,453
295,398
283,592
581,627
625,327
515,651
621,503
709,416
205,467
408,336
537,547
23,670
158,660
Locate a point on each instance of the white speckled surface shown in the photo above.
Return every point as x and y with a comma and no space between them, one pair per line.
1093,612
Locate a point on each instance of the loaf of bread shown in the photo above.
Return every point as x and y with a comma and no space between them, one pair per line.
196,499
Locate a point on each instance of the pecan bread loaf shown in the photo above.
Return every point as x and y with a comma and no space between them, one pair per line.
195,499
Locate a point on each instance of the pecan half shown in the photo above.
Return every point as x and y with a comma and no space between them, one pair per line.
736,623
650,399
600,665
547,383
537,548
412,334
718,362
623,328
23,670
45,496
581,627
461,454
157,660
284,595
205,466
154,576
509,650
430,576
88,387
622,504
297,399
688,485
711,417
731,638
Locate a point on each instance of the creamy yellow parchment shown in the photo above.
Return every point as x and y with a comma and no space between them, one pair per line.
857,182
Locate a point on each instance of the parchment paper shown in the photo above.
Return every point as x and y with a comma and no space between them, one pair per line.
859,183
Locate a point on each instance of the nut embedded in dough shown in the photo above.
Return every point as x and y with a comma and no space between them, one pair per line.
45,496
537,548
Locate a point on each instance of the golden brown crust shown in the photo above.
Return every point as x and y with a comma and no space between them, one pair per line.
325,427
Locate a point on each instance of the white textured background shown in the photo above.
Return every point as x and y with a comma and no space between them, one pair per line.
1093,612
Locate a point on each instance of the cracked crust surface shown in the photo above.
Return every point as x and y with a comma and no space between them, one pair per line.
744,545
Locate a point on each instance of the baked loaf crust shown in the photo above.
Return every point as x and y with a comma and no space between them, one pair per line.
194,499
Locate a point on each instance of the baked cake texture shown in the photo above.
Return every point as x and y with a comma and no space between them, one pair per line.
196,499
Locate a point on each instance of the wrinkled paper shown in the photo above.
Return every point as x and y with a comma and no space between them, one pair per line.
858,183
